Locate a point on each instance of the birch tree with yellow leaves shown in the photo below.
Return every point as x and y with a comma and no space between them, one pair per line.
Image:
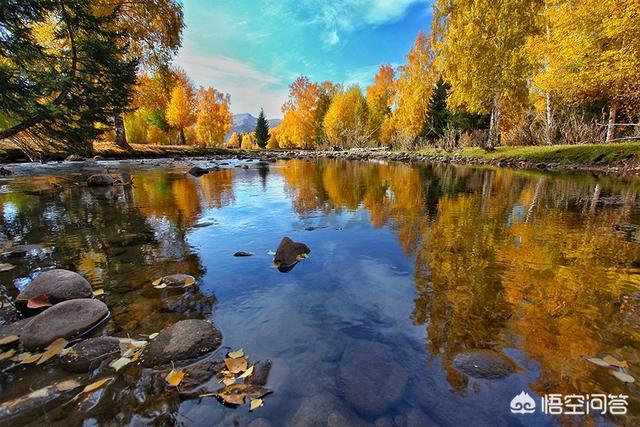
213,117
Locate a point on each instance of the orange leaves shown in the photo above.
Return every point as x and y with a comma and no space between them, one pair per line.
213,117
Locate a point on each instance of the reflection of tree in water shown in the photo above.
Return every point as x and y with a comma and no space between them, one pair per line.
502,259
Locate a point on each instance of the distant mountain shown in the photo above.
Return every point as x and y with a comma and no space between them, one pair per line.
245,122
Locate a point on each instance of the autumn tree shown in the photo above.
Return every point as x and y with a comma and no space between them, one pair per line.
380,98
234,141
213,118
481,45
181,108
346,121
249,141
588,54
62,73
262,130
414,87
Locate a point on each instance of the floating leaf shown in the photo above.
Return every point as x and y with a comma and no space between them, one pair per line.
597,361
152,336
52,349
96,385
174,378
161,286
120,363
39,301
255,404
624,377
236,354
31,358
157,282
6,267
235,366
236,394
7,354
189,282
228,380
615,362
67,385
98,292
247,373
9,339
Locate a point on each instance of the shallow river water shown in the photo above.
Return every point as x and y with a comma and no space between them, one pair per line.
410,266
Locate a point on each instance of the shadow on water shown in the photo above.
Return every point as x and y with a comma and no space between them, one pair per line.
411,267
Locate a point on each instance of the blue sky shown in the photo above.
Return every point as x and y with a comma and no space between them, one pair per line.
253,49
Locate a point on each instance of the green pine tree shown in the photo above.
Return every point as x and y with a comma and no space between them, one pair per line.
438,116
262,130
56,99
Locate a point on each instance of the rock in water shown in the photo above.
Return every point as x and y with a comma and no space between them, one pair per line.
484,364
242,254
197,171
68,320
372,382
59,285
183,340
100,180
289,253
88,354
74,158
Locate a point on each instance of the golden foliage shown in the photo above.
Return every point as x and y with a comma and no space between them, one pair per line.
213,118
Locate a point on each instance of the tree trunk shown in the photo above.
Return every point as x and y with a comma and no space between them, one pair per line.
494,127
550,130
121,136
182,140
611,128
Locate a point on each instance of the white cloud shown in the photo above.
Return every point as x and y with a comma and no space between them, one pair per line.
250,89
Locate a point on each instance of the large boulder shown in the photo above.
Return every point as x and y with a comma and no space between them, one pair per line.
88,354
59,285
68,320
370,379
100,180
289,253
184,340
197,171
484,364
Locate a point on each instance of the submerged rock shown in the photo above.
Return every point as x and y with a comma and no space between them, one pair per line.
68,320
289,253
74,158
197,171
484,364
183,340
372,382
178,280
23,250
88,354
100,180
59,285
260,373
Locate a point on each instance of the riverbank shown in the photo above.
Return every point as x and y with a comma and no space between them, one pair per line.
619,158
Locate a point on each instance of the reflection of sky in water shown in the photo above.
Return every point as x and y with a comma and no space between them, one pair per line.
10,211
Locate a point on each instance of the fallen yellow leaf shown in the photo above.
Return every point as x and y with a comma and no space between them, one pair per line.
98,292
120,363
236,354
67,385
9,339
247,372
189,282
30,358
615,362
157,282
255,404
174,378
52,349
7,354
235,366
152,336
161,286
228,380
96,385
625,378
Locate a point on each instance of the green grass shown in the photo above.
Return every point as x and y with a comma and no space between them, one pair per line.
589,155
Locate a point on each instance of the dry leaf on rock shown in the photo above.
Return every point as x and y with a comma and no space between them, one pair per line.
31,358
615,362
120,363
96,385
9,339
624,377
247,373
98,292
189,282
597,361
157,282
255,404
7,354
237,365
174,378
52,349
236,354
152,336
236,394
39,301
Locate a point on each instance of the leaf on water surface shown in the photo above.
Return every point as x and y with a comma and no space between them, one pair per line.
235,366
152,336
6,267
624,377
120,363
615,362
255,404
597,361
52,349
7,354
67,385
157,281
174,378
96,385
236,354
39,301
31,358
9,339
189,282
237,393
98,292
247,372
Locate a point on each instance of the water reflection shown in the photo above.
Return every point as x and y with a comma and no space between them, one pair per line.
429,260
